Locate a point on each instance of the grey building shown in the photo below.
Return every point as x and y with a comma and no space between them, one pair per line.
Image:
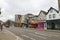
25,19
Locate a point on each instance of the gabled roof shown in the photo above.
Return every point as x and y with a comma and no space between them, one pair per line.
53,9
43,12
36,16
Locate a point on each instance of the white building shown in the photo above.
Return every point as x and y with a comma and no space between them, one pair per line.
52,14
42,20
53,19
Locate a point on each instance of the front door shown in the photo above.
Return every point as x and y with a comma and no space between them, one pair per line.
41,26
53,25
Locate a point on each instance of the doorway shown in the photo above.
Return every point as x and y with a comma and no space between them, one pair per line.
53,25
41,26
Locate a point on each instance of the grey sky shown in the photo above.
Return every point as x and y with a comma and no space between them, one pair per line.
12,7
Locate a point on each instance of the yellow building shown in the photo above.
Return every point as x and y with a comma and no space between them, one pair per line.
18,20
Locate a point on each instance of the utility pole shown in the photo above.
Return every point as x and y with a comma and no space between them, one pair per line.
0,10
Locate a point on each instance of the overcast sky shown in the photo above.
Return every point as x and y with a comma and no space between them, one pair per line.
12,7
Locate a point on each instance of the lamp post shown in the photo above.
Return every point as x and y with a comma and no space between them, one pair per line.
0,10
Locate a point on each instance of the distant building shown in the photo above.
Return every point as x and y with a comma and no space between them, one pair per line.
34,21
25,19
18,20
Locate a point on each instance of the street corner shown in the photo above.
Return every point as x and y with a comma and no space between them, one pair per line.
12,35
56,31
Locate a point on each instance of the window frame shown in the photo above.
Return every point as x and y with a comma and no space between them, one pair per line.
54,15
49,16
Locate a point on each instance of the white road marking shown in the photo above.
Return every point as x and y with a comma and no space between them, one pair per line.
28,37
48,35
37,36
42,34
17,37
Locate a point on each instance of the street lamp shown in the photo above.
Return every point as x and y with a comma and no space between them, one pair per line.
0,10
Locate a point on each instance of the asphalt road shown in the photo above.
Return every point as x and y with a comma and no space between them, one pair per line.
33,34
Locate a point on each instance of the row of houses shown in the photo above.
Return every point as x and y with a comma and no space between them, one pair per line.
44,20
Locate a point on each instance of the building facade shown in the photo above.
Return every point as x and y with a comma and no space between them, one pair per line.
53,19
25,20
42,20
18,20
34,21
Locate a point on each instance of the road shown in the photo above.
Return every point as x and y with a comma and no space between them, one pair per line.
33,34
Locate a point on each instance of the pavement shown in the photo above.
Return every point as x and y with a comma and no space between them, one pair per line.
34,34
58,31
7,35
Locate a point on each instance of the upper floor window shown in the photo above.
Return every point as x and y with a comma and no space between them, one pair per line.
51,11
53,15
49,16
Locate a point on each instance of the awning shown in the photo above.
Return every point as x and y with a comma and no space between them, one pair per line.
34,23
42,21
56,20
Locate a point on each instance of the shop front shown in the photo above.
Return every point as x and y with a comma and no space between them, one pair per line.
41,24
53,24
33,24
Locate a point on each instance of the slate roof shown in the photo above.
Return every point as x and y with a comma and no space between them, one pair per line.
53,9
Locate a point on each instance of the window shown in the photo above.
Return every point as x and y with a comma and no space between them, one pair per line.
19,16
53,15
49,16
51,10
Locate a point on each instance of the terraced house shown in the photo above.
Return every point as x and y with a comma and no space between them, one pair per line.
34,21
53,19
42,25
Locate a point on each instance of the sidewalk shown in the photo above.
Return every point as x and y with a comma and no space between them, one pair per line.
54,31
58,31
6,35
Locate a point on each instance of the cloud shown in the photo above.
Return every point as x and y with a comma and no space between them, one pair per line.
12,7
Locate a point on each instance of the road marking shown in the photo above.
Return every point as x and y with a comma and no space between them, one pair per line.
17,37
42,34
28,37
37,36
